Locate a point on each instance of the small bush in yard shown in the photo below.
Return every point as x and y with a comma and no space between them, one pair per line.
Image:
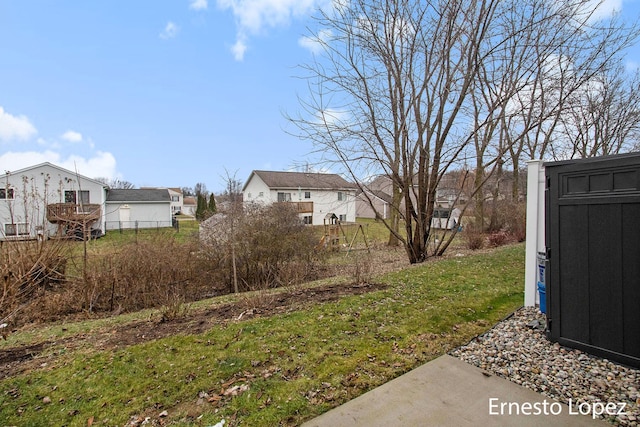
29,270
153,272
474,238
259,246
511,219
45,280
498,238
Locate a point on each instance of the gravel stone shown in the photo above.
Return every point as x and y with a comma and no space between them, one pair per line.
518,350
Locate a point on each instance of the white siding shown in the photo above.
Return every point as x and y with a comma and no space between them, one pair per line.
176,205
140,215
324,201
257,191
36,187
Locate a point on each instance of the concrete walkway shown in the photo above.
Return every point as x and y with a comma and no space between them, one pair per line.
450,392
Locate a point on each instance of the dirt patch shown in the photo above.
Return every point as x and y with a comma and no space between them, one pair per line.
14,360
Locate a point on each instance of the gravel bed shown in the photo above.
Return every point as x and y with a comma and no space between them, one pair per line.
517,349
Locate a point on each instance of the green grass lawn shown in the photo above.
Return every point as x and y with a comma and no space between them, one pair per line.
279,370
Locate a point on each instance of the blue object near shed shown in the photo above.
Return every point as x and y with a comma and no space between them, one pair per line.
543,297
542,290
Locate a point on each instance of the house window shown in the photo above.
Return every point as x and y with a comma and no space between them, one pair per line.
6,193
307,219
175,198
19,229
261,194
307,194
84,197
340,196
343,218
284,197
70,196
77,198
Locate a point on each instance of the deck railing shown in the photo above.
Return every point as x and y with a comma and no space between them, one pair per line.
303,207
65,212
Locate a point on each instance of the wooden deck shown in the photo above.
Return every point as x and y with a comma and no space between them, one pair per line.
71,212
303,207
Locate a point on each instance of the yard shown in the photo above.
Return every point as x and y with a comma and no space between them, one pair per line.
270,357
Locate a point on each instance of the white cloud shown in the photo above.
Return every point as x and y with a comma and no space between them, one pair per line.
604,9
314,44
15,127
238,49
198,4
333,117
103,164
255,16
72,136
170,31
632,66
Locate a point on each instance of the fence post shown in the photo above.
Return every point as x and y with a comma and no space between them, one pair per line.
535,227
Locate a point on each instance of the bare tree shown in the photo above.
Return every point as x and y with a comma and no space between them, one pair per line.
604,117
568,46
116,183
388,95
408,89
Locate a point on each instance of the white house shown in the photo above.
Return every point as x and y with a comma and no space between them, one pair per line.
138,208
46,200
314,194
177,200
175,195
189,205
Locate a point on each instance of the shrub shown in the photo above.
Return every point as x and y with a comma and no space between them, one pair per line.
510,217
157,271
498,238
474,238
29,270
266,246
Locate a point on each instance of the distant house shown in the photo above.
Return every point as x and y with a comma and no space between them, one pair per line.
189,206
46,200
373,204
314,194
377,194
138,208
175,194
375,200
177,200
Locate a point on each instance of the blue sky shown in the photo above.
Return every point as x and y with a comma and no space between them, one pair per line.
158,93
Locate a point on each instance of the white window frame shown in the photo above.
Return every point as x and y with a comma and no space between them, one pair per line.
7,193
284,197
16,229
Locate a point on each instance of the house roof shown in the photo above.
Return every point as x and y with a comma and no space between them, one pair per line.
385,197
304,180
138,195
189,200
51,165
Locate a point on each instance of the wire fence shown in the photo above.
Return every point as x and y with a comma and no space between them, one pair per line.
140,225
